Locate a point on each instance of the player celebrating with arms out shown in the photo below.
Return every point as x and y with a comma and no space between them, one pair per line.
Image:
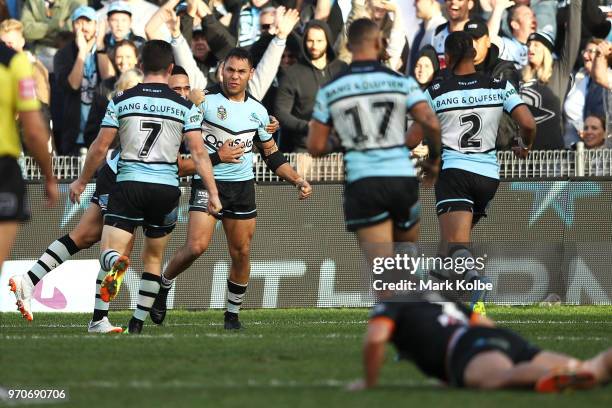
470,106
230,113
367,105
151,121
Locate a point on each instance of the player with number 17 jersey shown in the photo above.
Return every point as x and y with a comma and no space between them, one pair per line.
367,106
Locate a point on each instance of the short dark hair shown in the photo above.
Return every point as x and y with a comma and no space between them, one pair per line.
459,46
178,70
360,30
156,56
239,53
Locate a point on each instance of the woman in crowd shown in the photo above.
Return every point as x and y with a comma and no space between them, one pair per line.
585,97
546,80
594,133
427,66
125,58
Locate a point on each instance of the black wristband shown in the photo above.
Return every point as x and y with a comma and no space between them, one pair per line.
214,158
275,160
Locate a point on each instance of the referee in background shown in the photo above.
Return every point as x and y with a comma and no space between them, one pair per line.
18,99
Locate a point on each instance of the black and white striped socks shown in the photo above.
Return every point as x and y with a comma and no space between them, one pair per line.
57,253
235,294
149,288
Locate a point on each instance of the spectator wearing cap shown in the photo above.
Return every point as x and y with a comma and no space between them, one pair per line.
77,74
522,23
585,97
143,11
43,21
546,81
120,23
488,59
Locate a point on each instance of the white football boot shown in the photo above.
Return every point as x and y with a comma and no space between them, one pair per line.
23,289
103,326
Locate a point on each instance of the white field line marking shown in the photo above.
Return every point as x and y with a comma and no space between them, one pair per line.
296,324
574,338
105,337
250,383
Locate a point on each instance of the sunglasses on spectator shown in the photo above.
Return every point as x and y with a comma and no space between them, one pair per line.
266,27
591,51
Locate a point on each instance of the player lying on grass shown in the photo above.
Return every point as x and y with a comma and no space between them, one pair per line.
448,341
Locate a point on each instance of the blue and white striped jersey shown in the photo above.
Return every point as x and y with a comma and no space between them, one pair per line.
151,120
470,108
367,105
243,122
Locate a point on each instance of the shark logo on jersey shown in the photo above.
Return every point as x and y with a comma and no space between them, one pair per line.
222,112
534,100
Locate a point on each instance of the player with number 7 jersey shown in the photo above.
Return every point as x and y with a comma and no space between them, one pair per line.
151,120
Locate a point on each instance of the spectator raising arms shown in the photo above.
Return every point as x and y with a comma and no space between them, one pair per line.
384,14
522,22
546,81
585,97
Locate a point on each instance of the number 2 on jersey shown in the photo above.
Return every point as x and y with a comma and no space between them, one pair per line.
469,139
154,129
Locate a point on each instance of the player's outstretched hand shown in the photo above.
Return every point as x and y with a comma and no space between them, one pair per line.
357,385
229,153
304,188
214,204
519,148
51,191
273,126
430,169
76,189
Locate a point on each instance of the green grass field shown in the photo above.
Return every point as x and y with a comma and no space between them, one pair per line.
285,358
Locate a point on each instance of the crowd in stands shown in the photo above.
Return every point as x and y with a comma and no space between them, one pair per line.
558,54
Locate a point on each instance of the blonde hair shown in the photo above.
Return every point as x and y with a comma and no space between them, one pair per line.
541,73
11,25
127,80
